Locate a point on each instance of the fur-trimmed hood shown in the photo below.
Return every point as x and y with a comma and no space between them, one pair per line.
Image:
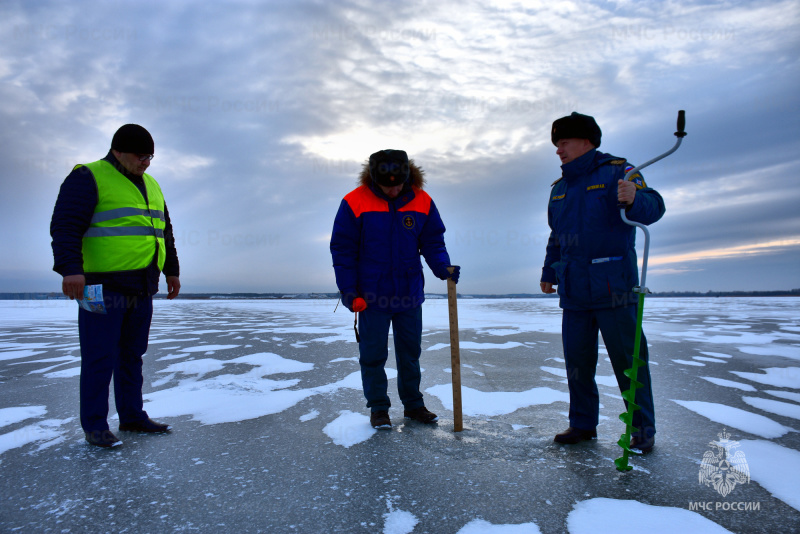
416,176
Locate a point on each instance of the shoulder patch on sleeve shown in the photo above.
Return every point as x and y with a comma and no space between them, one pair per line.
636,178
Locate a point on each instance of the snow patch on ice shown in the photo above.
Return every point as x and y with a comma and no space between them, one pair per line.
606,380
775,468
65,373
17,354
684,362
353,359
716,354
478,346
787,351
782,377
157,341
42,431
729,383
16,414
309,416
209,348
480,526
228,398
777,407
736,418
557,371
602,516
349,429
476,403
788,395
706,359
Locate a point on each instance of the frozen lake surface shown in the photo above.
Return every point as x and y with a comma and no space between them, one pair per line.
271,433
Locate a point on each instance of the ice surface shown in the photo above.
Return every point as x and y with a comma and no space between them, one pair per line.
612,516
237,384
17,354
774,467
736,418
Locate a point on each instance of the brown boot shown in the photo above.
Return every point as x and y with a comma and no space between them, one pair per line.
571,436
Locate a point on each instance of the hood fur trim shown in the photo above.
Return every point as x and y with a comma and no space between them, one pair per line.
416,175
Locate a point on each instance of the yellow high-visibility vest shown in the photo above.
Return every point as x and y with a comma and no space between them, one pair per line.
126,230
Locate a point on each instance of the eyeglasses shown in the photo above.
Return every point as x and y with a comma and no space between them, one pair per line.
145,157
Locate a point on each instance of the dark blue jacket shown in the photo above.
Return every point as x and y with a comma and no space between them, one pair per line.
376,245
591,253
72,216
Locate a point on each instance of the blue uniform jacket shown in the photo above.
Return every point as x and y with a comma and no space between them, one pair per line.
376,245
72,216
591,252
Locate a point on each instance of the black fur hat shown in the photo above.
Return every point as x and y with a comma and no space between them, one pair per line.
578,126
389,167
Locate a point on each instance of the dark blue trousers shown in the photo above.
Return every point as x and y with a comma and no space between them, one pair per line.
373,328
579,334
112,344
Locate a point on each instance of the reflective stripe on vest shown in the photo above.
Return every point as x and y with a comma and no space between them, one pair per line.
126,230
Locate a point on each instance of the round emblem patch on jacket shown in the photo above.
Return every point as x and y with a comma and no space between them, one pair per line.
408,222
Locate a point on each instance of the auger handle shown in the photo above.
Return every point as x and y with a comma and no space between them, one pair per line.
681,133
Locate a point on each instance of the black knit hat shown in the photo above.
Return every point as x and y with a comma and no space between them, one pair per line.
578,126
133,138
389,168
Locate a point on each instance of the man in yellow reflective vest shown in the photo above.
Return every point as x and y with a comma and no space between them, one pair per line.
111,228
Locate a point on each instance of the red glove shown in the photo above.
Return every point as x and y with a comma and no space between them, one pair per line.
359,304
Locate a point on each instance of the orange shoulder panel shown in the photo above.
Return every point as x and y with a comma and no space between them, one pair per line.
362,199
421,202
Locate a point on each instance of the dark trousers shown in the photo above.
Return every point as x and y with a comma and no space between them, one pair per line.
373,328
579,334
113,344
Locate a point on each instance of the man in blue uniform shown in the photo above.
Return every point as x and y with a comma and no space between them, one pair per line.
111,228
591,258
379,233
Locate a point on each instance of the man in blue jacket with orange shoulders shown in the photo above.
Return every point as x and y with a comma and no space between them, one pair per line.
379,233
591,257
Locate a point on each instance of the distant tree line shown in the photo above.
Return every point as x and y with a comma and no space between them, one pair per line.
256,296
787,293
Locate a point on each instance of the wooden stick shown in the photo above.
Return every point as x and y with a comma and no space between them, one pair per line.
455,356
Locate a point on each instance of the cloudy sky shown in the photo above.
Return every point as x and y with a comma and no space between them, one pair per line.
262,113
